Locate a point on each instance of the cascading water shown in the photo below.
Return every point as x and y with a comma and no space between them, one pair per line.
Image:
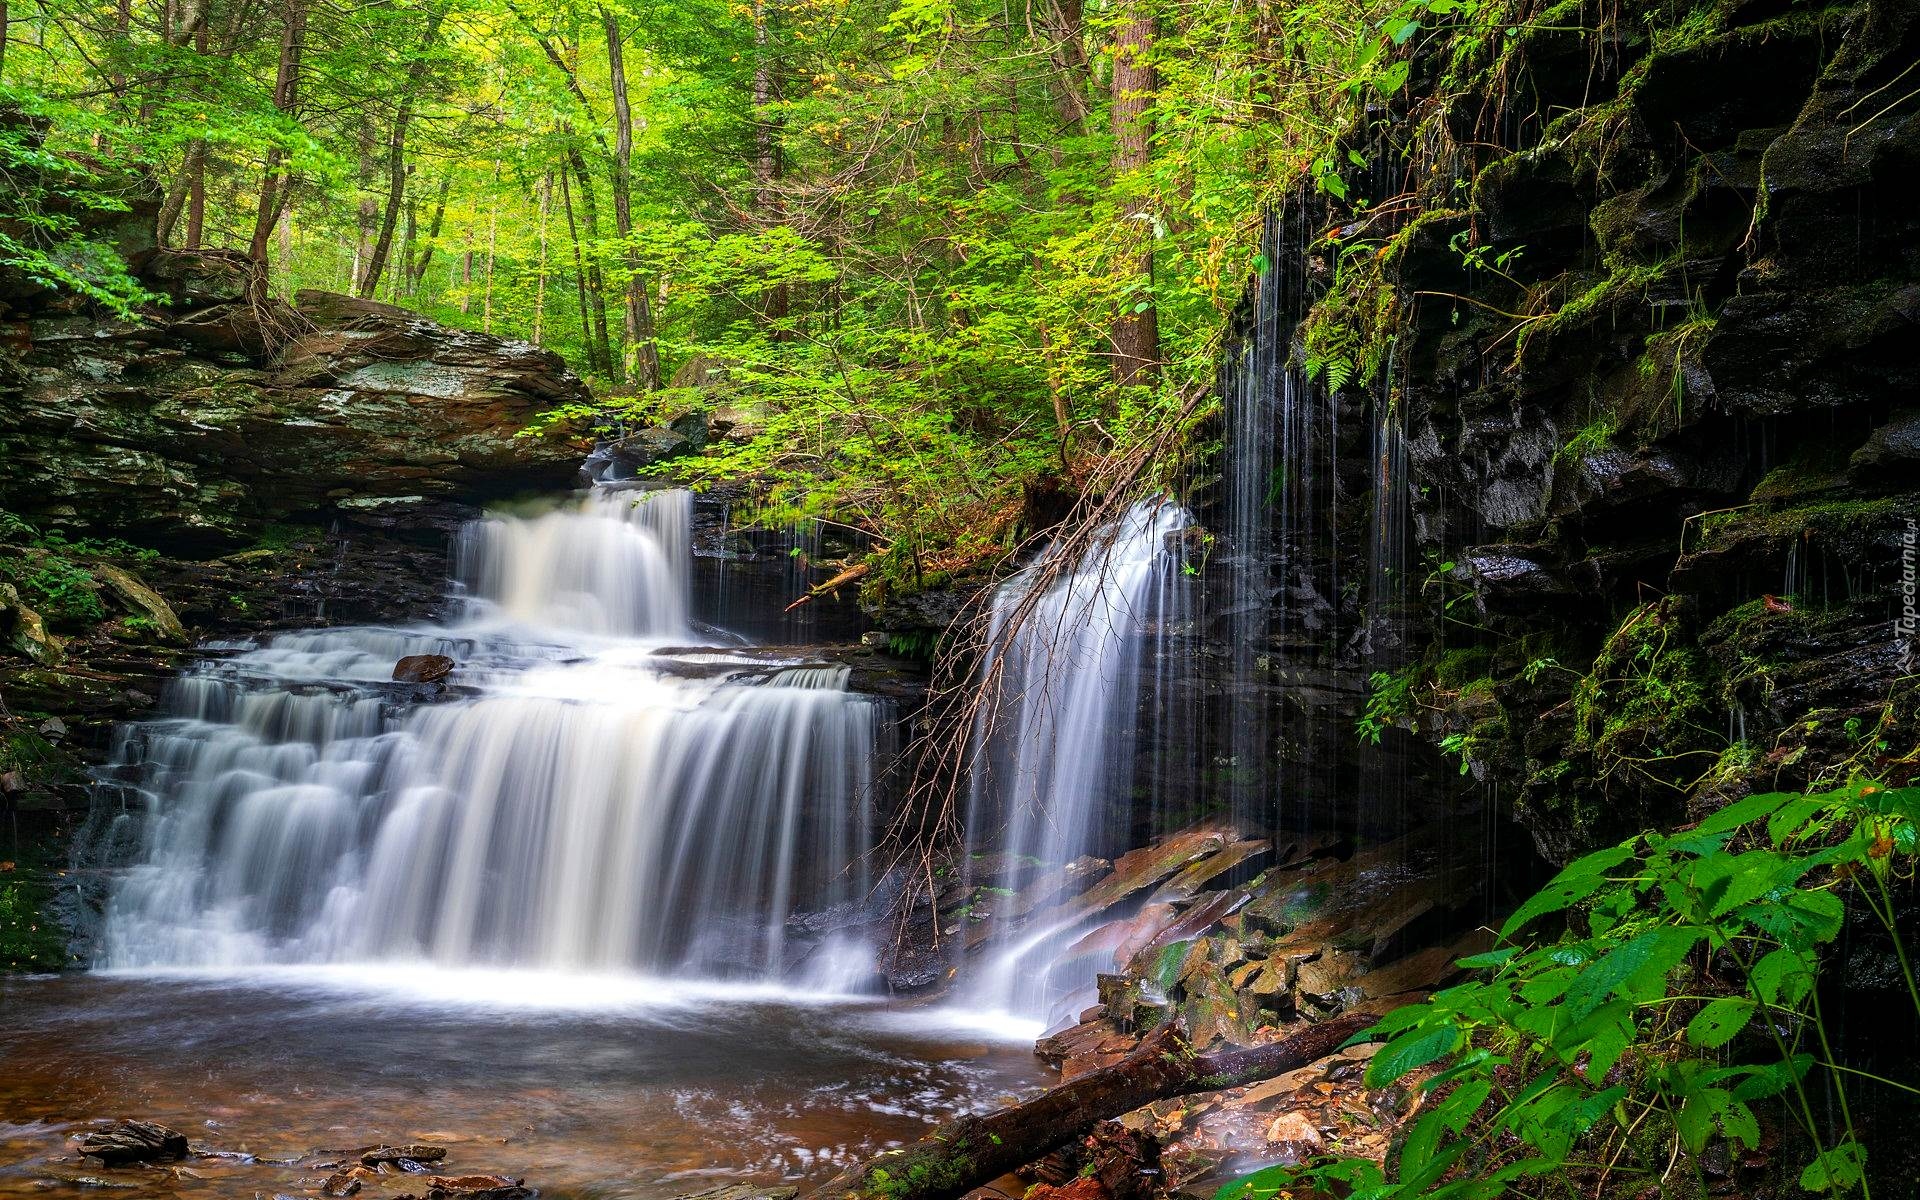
586,799
1053,757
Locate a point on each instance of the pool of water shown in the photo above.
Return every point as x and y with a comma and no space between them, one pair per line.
587,1086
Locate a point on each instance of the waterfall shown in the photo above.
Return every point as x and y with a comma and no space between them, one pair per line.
583,799
1053,752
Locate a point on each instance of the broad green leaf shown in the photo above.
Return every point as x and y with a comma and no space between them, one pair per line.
1640,965
1410,1052
1782,977
1716,1024
1836,1170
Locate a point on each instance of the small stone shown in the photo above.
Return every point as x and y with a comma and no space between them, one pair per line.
1295,1135
131,1141
53,728
340,1184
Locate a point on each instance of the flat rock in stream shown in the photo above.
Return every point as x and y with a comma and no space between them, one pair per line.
132,1142
742,1191
373,1156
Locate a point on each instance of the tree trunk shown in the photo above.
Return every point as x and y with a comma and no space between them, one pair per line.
644,367
540,280
397,155
970,1151
596,285
420,264
767,160
286,96
579,273
1136,334
1064,31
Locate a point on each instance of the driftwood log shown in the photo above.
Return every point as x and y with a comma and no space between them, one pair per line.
973,1150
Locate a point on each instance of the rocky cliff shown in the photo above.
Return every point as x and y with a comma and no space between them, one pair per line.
207,418
1609,375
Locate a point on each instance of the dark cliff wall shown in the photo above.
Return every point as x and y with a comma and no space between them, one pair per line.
1632,324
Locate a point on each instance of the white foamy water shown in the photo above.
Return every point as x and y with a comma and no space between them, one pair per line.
585,801
1054,754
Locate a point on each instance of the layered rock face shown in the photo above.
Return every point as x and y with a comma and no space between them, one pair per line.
224,411
1649,403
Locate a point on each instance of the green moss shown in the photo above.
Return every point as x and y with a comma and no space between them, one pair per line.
29,939
1647,707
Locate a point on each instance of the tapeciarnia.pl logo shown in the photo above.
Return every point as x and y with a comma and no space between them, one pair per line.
1905,628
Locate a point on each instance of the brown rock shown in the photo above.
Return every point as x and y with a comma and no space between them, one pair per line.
133,1141
422,668
373,1156
1295,1136
470,1183
340,1183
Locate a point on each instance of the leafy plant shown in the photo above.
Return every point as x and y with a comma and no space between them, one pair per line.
1683,1000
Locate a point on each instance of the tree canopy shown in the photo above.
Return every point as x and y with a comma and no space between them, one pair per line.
920,253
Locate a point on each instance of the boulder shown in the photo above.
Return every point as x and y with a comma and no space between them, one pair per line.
422,668
143,600
24,631
133,1142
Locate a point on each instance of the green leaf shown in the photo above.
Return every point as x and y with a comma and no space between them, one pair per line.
1640,965
1783,976
1410,1052
1742,812
1836,1170
1716,1024
1581,879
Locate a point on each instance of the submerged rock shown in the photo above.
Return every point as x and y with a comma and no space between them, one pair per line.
132,1142
373,1156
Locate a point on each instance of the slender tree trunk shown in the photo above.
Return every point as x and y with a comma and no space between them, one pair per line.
1136,334
397,154
493,242
643,355
5,25
579,274
540,280
274,184
596,284
179,194
425,260
466,274
768,164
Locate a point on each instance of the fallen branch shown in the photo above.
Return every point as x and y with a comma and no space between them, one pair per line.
856,571
973,1150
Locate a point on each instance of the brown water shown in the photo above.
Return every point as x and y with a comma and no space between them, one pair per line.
587,1087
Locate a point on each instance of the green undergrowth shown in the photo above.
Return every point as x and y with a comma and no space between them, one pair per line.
29,940
1679,1011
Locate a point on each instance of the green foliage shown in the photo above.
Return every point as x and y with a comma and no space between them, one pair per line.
53,207
61,589
1645,708
1389,699
1682,997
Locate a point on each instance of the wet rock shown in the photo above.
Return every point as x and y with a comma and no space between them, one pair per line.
24,631
143,600
373,1156
465,1184
133,1141
422,668
742,1191
1294,1137
340,1184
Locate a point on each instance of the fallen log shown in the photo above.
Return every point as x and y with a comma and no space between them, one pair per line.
973,1150
856,571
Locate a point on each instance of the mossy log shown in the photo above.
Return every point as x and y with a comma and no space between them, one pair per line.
969,1151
